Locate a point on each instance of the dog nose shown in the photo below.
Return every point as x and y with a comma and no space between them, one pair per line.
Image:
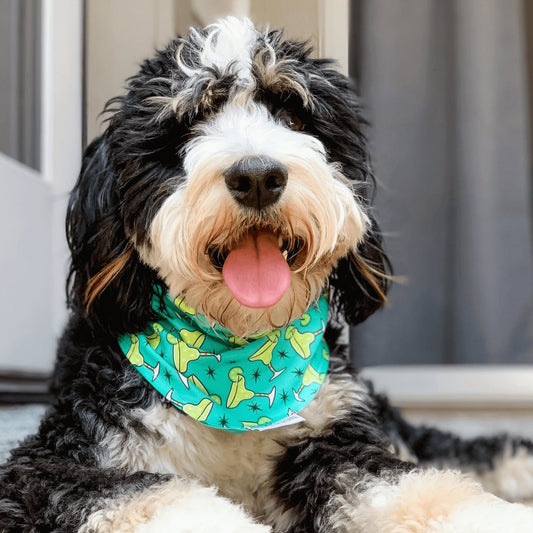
256,181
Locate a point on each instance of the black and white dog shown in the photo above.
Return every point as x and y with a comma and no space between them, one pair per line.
235,146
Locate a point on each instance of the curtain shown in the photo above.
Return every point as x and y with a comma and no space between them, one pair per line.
445,88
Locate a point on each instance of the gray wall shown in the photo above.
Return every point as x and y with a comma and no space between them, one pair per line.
445,87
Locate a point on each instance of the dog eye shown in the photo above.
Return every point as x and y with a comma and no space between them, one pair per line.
293,122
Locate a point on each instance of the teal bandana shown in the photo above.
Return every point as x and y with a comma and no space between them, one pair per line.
228,382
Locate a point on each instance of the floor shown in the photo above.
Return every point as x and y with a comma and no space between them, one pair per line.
16,422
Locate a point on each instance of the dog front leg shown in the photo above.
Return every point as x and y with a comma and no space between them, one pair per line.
177,506
429,501
349,481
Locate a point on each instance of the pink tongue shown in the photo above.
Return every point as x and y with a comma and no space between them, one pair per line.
256,272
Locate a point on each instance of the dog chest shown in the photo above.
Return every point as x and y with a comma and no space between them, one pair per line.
164,440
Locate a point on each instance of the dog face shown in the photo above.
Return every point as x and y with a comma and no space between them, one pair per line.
233,172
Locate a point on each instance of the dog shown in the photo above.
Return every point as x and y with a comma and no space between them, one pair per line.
221,235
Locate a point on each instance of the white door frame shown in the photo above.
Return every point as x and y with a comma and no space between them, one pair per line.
62,127
32,208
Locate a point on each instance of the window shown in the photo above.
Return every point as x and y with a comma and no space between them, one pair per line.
20,84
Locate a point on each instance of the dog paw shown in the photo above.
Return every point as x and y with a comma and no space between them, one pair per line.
492,516
433,502
511,478
201,511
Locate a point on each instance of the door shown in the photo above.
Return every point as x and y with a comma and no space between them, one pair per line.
40,147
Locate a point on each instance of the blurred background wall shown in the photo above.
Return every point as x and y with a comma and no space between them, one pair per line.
445,86
120,33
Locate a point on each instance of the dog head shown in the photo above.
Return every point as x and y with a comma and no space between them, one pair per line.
234,172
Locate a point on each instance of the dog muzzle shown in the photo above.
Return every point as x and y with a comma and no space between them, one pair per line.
228,382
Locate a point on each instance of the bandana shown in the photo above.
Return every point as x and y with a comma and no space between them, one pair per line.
227,382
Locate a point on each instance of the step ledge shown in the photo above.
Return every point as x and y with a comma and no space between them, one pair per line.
448,386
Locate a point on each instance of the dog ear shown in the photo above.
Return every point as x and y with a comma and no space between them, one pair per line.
361,279
107,281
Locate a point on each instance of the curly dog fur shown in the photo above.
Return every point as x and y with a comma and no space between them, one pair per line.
158,203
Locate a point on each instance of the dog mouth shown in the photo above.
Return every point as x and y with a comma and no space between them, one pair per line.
289,250
257,270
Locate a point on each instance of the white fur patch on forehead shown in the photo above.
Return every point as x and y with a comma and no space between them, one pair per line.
245,129
227,44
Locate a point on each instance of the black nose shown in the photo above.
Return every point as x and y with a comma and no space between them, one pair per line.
256,181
